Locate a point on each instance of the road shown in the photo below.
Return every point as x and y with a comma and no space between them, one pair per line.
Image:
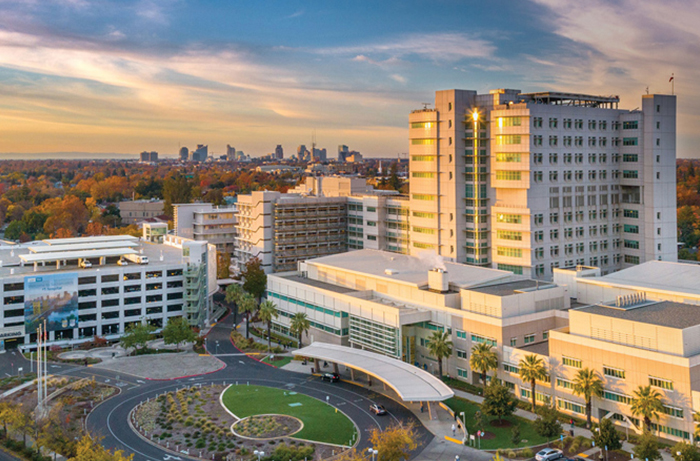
109,419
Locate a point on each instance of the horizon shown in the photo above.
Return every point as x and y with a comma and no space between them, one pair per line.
137,75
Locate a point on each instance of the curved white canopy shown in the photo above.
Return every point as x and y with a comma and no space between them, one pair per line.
411,383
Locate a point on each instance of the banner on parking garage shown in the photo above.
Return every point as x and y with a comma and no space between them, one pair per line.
53,298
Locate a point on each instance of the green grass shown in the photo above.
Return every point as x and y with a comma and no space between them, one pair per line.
503,435
278,363
322,423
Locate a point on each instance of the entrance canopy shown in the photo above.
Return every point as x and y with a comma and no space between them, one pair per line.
411,383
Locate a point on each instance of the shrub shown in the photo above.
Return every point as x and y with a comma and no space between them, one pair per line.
526,453
510,454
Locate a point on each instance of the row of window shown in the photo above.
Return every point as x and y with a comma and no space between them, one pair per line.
572,175
568,158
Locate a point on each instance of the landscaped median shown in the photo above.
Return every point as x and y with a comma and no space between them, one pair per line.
321,422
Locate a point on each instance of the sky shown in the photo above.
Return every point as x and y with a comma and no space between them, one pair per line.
130,75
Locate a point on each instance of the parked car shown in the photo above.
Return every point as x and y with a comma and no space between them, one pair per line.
123,262
85,264
377,409
330,377
549,454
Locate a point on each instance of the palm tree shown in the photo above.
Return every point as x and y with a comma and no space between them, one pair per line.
588,384
532,369
233,295
696,420
247,305
440,346
299,325
646,403
483,359
268,311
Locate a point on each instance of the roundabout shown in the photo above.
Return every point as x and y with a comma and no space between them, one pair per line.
341,403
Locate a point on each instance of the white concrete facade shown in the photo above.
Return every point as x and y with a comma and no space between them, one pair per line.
562,180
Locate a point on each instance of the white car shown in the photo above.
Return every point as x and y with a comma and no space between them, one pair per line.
549,454
85,264
122,262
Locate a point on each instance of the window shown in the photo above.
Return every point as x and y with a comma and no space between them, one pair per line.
540,397
423,174
508,157
630,174
461,354
537,122
565,383
423,230
483,339
421,214
570,406
571,362
423,197
426,125
629,259
673,411
510,235
509,121
462,373
632,244
631,125
530,338
630,229
509,252
513,342
661,383
422,142
670,431
615,397
508,175
630,158
511,368
630,142
508,139
461,334
613,372
553,122
509,218
423,158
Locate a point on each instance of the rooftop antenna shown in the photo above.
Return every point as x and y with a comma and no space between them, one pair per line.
647,90
425,105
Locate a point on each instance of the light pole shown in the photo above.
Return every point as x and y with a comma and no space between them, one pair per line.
372,452
464,424
259,454
217,348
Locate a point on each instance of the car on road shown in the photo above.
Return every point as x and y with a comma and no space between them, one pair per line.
330,377
377,409
549,454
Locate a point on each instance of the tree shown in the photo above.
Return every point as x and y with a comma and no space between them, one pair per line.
267,312
21,422
587,383
90,449
647,404
498,401
247,305
687,452
647,448
696,420
254,278
137,336
547,424
299,325
532,369
394,443
54,433
223,261
178,330
607,436
483,358
176,189
234,292
515,436
440,346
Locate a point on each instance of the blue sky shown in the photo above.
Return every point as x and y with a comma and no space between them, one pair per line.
124,76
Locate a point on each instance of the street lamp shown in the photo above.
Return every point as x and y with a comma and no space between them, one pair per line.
259,454
372,452
217,348
464,423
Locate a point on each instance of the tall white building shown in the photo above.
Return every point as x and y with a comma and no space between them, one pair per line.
206,222
529,182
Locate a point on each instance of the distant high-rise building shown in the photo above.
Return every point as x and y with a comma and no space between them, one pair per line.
184,154
342,152
230,152
146,156
200,154
279,152
319,155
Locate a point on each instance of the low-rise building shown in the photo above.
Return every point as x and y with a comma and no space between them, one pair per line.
135,211
206,222
84,287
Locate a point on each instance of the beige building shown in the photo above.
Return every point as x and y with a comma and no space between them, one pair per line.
636,327
135,211
206,222
529,182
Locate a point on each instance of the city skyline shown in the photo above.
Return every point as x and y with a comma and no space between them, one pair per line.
104,77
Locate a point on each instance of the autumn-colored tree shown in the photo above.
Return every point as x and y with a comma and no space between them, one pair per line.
394,443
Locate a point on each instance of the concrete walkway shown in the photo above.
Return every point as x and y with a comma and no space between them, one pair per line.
163,366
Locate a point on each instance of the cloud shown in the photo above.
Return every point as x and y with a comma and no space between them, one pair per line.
296,14
398,78
431,46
